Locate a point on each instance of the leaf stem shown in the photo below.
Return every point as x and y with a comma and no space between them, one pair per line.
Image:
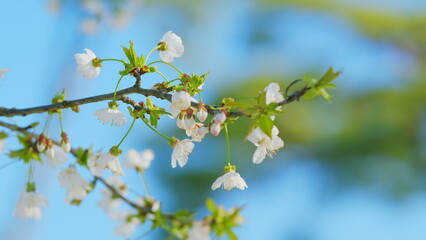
145,183
162,75
153,129
116,88
171,65
127,133
228,146
115,60
152,50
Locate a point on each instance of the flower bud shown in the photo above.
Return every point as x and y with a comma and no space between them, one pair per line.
202,114
215,129
65,143
41,143
220,117
50,152
202,131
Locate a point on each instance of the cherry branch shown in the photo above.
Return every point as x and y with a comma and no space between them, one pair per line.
120,95
142,210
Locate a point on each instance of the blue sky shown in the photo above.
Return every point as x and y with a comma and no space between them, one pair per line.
297,202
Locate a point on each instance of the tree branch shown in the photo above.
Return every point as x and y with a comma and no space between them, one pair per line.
67,104
142,210
10,112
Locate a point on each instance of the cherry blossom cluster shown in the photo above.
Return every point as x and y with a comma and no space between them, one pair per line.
195,117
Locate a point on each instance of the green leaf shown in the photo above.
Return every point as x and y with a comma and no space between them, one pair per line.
231,235
272,106
238,104
83,156
160,112
153,119
261,99
211,206
3,135
311,93
266,124
328,77
149,103
322,92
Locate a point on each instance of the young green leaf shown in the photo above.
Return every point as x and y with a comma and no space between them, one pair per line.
266,124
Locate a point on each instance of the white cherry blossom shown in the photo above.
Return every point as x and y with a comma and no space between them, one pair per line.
2,144
273,93
265,145
75,184
108,203
172,47
180,101
127,225
199,231
197,132
111,162
55,156
86,66
112,115
29,205
3,71
95,168
181,150
140,161
189,122
180,123
230,180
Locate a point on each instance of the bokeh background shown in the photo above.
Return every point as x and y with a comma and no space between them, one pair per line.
353,169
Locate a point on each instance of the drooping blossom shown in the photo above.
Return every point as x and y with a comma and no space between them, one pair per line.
199,231
98,162
127,224
139,161
181,150
88,65
265,145
3,71
112,115
29,205
2,144
75,184
110,161
231,179
55,156
170,47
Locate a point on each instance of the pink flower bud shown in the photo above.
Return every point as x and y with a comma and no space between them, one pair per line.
220,117
215,129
